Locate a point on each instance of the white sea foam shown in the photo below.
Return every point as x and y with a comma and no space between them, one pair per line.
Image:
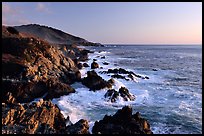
80,104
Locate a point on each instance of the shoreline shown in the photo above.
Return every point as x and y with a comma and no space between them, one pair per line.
35,104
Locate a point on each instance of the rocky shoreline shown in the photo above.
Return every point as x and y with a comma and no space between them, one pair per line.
33,68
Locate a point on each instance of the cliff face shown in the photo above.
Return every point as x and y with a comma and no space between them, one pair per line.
32,66
53,35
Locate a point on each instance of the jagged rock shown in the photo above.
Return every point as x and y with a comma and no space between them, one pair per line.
111,81
105,63
85,65
81,127
154,69
94,65
146,77
116,73
112,94
31,58
131,76
57,89
119,76
103,57
73,76
83,56
45,129
9,99
23,91
30,120
122,122
80,65
12,129
125,94
95,82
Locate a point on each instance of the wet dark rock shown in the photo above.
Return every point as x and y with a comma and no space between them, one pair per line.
9,99
78,76
122,122
45,129
81,127
154,69
85,65
57,89
119,71
111,81
80,65
94,59
23,91
68,122
112,94
28,91
73,76
83,56
95,82
131,76
146,77
94,65
119,76
105,63
124,92
103,57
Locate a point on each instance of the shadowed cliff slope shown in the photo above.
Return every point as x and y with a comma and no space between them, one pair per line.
53,35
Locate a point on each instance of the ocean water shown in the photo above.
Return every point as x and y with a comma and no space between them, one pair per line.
171,99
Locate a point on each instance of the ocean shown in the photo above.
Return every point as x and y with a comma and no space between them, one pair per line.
171,99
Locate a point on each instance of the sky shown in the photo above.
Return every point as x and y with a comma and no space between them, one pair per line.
114,22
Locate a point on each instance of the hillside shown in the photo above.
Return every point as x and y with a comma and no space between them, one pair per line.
53,35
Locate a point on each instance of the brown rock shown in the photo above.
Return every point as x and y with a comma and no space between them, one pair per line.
94,65
95,82
33,117
81,127
122,122
57,89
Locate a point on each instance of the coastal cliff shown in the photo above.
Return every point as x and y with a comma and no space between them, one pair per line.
36,67
53,35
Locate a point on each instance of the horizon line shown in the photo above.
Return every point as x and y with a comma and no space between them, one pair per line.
151,44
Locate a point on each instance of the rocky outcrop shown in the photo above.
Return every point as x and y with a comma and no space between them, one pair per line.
94,65
80,65
80,127
128,74
85,65
33,59
122,122
95,82
119,76
56,89
113,95
124,92
105,63
38,117
28,65
23,91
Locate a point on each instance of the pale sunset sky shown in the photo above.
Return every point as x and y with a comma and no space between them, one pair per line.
114,22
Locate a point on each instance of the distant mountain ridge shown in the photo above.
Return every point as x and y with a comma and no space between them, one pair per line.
53,35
